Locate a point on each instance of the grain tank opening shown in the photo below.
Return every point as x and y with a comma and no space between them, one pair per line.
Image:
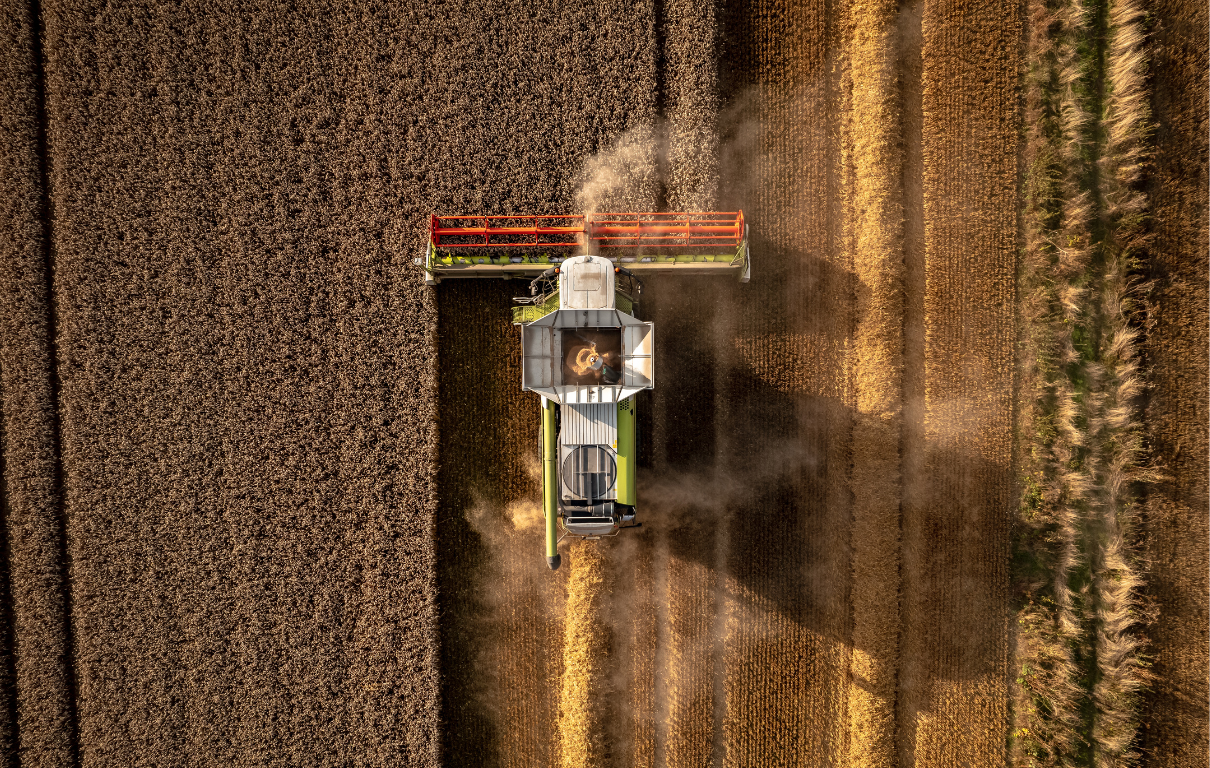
592,356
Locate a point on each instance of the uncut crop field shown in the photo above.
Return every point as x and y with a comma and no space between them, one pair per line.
270,500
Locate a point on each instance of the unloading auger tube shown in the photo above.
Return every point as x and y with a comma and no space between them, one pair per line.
584,350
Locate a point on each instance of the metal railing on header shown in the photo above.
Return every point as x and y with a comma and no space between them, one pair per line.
696,229
667,230
505,231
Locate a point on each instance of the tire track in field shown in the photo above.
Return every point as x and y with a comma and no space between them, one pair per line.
913,443
37,683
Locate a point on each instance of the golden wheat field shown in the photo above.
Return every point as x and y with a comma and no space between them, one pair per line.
929,491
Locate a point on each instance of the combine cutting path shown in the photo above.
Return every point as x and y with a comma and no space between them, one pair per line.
954,672
755,618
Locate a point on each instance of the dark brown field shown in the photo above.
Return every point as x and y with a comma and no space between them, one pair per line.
1177,719
269,500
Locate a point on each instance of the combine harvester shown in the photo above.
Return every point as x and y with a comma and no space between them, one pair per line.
583,348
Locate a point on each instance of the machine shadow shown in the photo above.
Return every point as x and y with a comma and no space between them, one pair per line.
725,440
759,446
786,513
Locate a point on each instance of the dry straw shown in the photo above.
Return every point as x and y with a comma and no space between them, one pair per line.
1082,456
585,650
1126,124
874,203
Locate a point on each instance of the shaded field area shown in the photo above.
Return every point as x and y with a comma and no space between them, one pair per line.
1176,715
269,500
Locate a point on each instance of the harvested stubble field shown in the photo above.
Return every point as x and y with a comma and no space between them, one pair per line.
268,500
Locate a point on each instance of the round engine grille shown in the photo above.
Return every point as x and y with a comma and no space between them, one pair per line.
589,471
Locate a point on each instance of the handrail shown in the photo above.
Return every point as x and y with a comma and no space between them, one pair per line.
691,229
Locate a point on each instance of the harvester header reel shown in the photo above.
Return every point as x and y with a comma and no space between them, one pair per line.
524,246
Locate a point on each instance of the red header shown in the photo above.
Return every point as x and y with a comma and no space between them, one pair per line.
707,229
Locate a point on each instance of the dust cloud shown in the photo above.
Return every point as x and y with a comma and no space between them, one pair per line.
659,166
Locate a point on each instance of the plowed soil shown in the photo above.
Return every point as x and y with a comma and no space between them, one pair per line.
269,500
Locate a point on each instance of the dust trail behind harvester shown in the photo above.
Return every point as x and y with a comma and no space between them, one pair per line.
586,645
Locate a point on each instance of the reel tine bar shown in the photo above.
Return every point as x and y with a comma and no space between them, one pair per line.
505,231
667,230
699,229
